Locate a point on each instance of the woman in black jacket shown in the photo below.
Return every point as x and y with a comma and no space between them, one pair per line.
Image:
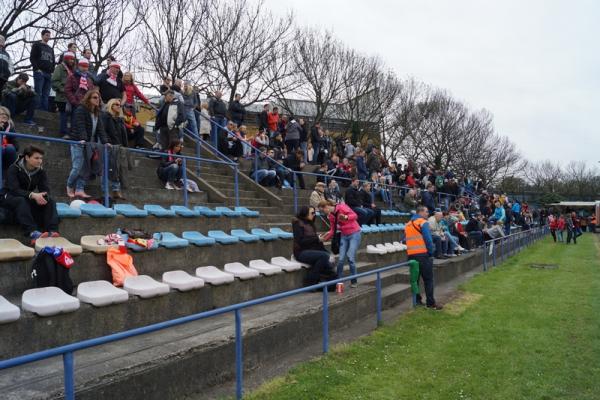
309,249
87,127
114,126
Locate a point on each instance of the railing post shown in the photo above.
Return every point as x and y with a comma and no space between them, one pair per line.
184,176
295,191
105,173
69,373
256,165
216,132
1,162
379,320
236,187
239,362
325,320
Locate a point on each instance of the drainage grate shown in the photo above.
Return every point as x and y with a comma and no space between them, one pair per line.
543,266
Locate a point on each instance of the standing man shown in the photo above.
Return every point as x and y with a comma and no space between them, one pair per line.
237,111
218,112
420,248
263,123
315,138
42,62
169,118
110,83
6,65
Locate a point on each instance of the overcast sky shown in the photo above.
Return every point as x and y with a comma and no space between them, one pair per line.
534,64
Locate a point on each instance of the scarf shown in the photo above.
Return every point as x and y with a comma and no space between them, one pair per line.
83,82
67,69
112,79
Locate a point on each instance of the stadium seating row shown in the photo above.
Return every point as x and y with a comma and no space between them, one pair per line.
129,210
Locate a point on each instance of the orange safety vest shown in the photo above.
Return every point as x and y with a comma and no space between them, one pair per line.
414,239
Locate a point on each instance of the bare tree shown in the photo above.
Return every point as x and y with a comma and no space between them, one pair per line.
242,40
23,19
105,26
173,45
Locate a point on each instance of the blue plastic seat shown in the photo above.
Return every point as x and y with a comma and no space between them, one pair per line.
246,212
170,241
207,212
228,212
366,229
222,237
385,212
183,211
159,211
129,210
401,226
197,238
64,211
281,233
264,235
374,228
404,214
97,211
244,236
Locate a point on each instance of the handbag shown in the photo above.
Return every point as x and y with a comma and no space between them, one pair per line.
337,237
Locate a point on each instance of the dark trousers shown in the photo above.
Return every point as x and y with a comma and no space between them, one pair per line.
477,237
292,145
365,215
167,135
319,266
426,274
441,246
376,216
571,235
137,135
553,233
31,216
17,104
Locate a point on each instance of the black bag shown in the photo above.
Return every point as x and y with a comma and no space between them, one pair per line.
337,237
47,272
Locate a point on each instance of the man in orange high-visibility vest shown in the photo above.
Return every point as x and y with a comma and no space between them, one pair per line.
421,249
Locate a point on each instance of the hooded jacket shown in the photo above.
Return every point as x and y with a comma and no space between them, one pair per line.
6,65
59,81
21,183
42,57
83,126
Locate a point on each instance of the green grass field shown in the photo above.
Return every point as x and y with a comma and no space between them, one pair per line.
514,333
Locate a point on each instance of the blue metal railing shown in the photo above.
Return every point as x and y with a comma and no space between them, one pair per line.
387,187
67,351
105,162
510,245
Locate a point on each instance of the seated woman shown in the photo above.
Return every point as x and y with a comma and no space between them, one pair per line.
135,131
116,133
170,169
9,144
309,249
27,195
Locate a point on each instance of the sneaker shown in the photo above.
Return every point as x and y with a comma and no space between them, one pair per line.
54,234
436,307
35,235
168,186
450,255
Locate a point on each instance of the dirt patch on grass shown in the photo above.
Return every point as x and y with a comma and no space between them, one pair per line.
461,302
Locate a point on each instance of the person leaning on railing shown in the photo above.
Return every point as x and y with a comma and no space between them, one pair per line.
27,195
309,249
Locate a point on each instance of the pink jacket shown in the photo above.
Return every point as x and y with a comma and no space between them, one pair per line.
347,227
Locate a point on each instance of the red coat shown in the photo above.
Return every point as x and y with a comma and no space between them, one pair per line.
410,181
272,121
131,91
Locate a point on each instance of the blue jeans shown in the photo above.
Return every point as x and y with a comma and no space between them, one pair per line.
269,176
348,247
304,147
74,181
173,173
216,125
192,125
365,215
42,84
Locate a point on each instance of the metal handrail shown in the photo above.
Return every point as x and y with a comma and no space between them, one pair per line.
105,181
522,238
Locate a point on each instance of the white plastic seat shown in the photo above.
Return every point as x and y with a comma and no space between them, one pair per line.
12,249
305,265
400,246
264,267
286,264
145,287
214,276
240,271
90,243
182,281
390,247
101,293
382,247
375,250
72,248
48,301
8,311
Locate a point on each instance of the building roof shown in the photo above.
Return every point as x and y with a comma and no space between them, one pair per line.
575,204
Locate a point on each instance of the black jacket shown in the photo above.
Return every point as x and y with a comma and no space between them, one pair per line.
108,90
6,66
82,126
292,162
263,123
163,114
314,135
20,183
42,57
472,225
237,111
216,107
366,198
353,197
115,129
305,237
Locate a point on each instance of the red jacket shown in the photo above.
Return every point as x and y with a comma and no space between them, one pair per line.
131,91
272,120
410,181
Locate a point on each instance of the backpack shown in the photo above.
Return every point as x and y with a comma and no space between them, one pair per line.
46,271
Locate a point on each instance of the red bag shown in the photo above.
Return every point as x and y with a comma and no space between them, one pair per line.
65,259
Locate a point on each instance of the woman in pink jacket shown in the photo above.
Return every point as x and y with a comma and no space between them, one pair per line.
350,234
